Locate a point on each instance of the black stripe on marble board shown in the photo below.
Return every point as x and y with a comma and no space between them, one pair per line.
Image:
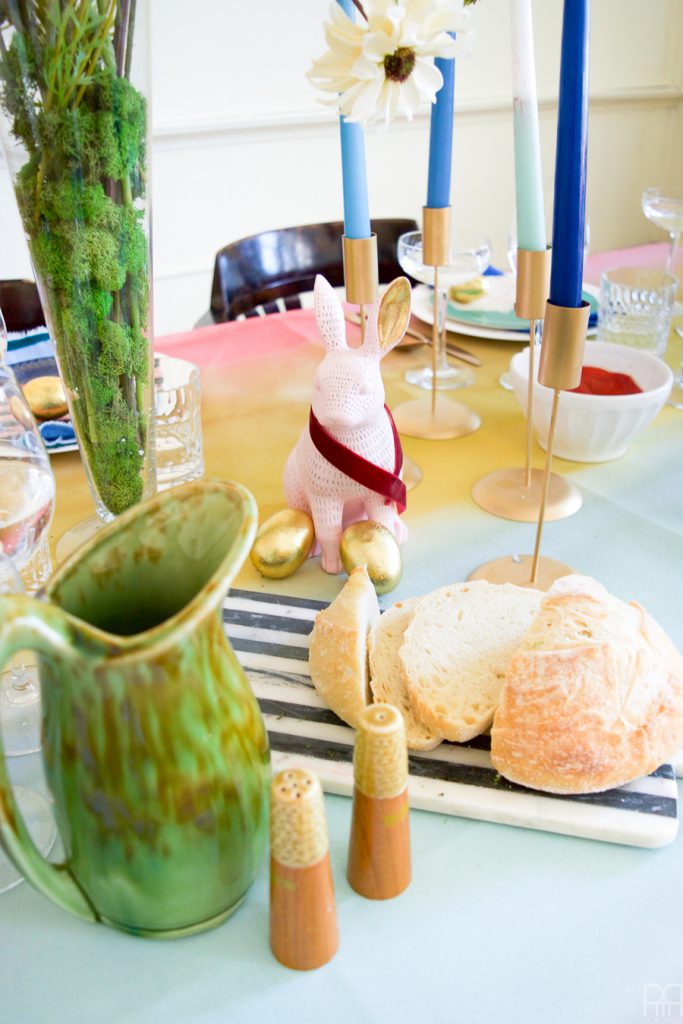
261,620
244,644
301,712
259,675
471,775
283,599
309,713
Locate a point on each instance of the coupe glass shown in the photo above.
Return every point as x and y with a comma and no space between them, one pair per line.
664,207
27,490
470,255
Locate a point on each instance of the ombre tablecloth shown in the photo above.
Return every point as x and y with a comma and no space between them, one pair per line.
499,923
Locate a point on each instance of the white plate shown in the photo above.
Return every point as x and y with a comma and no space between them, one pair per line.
72,447
422,308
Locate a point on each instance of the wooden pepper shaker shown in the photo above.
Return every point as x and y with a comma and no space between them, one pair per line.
379,847
303,916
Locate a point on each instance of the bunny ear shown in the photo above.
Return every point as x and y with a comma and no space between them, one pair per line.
389,319
329,314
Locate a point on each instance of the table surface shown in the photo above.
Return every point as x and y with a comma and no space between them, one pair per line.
499,923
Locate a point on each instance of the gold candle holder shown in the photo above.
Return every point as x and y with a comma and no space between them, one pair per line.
564,339
419,418
361,273
379,844
361,279
564,335
518,493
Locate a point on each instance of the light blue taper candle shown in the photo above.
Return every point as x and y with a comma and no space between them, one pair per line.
354,175
531,231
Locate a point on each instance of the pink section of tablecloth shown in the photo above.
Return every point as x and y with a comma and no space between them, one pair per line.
240,341
653,255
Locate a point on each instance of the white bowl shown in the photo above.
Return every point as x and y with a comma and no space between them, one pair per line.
597,428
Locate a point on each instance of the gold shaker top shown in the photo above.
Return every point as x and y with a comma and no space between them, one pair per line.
380,757
298,828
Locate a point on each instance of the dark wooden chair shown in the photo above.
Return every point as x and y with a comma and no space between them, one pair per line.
20,305
282,264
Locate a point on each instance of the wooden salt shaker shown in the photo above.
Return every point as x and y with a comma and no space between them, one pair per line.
303,916
379,847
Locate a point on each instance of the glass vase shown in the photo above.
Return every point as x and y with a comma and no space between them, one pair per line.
74,93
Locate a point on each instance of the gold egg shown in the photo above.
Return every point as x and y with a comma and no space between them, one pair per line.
283,543
45,396
369,544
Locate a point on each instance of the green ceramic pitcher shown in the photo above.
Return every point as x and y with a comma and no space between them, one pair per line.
153,744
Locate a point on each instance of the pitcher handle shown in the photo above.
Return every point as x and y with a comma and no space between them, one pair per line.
29,624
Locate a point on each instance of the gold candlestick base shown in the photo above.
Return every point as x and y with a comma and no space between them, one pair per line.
517,569
504,493
517,494
442,421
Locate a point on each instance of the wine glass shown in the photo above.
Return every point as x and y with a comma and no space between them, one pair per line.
27,490
34,808
664,207
470,255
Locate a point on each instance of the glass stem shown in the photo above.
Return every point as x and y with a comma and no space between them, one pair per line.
671,260
22,688
442,305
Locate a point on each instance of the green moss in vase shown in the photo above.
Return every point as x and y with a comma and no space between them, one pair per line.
63,76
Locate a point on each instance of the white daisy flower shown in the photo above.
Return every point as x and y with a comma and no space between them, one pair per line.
384,67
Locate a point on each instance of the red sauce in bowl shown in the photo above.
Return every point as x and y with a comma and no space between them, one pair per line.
595,381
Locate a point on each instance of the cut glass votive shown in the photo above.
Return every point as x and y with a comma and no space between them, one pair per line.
178,422
636,305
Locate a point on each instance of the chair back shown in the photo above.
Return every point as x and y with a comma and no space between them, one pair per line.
20,305
282,264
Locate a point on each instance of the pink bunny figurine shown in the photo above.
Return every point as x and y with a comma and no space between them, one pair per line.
348,412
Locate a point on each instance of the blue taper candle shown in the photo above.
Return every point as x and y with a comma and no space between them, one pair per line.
354,174
441,138
569,214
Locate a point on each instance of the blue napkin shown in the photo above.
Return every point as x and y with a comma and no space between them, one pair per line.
57,433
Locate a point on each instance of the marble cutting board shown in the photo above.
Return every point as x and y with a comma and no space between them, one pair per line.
270,635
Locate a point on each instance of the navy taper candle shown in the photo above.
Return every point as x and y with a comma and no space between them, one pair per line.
569,212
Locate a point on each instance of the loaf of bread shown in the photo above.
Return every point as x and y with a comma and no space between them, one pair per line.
456,650
338,655
594,697
386,678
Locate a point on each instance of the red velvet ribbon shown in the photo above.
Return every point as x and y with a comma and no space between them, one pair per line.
353,465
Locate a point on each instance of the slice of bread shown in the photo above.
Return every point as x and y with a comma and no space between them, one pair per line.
456,650
386,679
338,655
594,697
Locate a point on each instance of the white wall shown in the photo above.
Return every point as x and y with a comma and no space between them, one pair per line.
241,143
